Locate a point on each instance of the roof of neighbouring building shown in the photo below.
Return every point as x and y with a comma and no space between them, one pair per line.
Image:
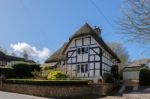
6,57
139,62
2,55
135,68
83,31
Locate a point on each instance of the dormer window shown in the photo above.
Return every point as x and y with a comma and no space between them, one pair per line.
83,50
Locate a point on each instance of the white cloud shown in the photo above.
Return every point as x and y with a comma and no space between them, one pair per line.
31,50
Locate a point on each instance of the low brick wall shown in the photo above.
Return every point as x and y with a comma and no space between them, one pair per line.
58,91
102,89
47,91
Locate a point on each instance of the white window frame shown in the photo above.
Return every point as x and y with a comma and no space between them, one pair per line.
79,68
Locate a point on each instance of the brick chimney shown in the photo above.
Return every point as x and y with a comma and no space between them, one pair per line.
97,30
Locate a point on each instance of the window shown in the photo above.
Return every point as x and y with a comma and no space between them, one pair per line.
83,50
83,68
86,68
79,51
78,68
86,50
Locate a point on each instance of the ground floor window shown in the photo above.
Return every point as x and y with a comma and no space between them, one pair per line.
82,68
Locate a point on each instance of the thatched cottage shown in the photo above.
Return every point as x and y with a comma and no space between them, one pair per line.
85,55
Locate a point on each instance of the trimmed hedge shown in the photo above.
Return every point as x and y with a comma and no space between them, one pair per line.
24,70
7,72
47,82
144,77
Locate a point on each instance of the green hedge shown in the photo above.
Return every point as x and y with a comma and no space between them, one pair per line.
144,77
24,70
7,71
47,82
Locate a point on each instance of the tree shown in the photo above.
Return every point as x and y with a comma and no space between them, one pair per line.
135,23
3,50
25,55
121,53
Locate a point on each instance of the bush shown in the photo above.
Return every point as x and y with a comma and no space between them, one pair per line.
108,78
24,70
144,77
47,82
45,68
35,67
7,72
55,74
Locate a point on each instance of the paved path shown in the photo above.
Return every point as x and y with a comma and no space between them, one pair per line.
8,95
133,93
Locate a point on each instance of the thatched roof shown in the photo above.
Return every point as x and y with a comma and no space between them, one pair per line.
85,30
58,55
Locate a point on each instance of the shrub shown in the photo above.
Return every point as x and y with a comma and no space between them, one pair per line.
45,68
55,74
144,77
35,67
37,74
47,82
22,70
108,78
7,72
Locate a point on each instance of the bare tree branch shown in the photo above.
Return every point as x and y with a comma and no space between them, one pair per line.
135,24
121,53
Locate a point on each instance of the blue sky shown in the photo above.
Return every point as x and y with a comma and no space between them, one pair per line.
50,23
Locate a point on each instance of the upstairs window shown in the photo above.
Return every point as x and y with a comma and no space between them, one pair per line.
79,50
83,50
86,50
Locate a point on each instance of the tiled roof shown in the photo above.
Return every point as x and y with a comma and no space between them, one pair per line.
135,68
139,62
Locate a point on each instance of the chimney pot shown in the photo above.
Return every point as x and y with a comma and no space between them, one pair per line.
97,30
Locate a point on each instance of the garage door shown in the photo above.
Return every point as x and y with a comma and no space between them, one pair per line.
131,75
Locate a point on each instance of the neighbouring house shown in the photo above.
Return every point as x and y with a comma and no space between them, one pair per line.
8,59
131,72
85,55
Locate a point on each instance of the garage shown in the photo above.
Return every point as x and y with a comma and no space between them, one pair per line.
131,73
